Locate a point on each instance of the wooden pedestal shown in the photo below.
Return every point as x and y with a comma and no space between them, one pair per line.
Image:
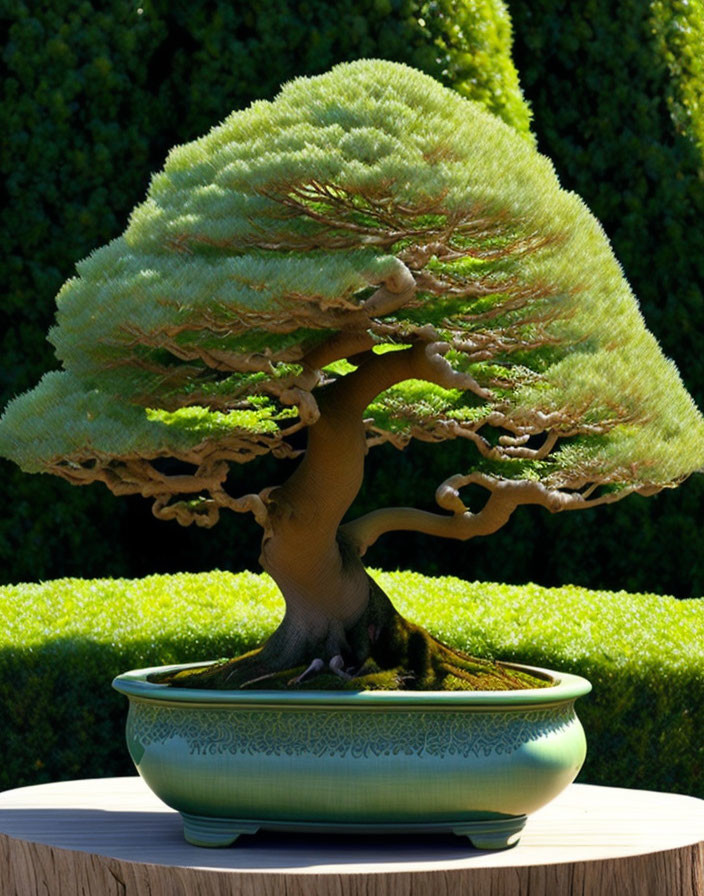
112,836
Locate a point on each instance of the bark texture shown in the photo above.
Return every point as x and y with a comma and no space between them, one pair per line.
339,628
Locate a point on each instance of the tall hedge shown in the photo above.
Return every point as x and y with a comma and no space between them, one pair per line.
93,96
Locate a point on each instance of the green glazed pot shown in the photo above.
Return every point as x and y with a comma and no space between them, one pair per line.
471,762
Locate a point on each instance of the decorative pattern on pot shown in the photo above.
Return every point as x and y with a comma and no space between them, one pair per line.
342,733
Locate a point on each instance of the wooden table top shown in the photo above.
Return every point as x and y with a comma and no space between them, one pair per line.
120,818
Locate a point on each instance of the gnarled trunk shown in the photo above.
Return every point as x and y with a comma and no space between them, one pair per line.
324,583
338,622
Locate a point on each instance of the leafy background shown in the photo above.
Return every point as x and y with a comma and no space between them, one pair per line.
94,98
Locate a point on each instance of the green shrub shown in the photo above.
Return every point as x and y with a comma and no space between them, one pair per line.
62,642
93,96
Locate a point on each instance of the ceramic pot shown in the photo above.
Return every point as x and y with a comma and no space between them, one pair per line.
472,762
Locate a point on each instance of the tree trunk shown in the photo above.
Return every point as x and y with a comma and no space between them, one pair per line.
338,623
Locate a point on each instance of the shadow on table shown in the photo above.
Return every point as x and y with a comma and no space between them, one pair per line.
157,837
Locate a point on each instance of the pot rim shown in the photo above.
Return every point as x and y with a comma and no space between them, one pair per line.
566,687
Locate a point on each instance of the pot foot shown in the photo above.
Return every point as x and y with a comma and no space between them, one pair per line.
201,830
498,834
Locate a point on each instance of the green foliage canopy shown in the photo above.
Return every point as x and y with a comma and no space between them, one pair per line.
369,204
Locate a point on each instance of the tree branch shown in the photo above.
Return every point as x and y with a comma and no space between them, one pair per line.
505,496
137,476
397,289
363,532
312,502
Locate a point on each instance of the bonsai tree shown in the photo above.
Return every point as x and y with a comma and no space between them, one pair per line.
370,258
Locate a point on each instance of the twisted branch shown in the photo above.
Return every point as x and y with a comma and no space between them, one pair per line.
187,498
505,496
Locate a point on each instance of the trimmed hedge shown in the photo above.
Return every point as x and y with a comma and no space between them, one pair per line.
93,97
62,642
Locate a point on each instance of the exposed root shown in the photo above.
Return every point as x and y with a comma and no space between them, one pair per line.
337,665
315,668
385,652
220,675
